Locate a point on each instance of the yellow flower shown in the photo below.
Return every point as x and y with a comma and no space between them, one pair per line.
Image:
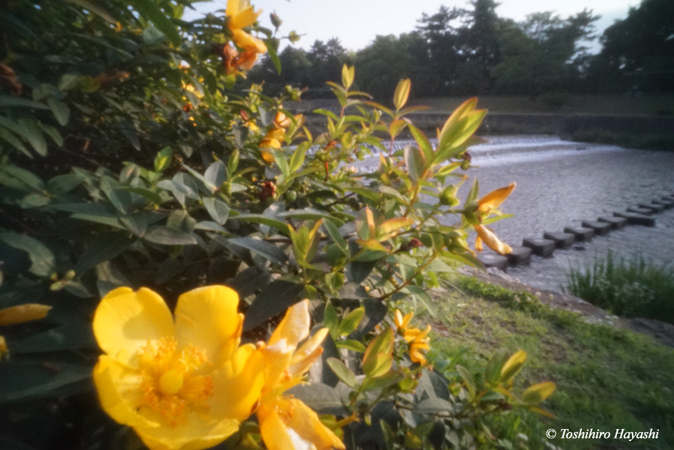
402,322
183,383
287,423
273,138
418,341
485,206
23,313
242,15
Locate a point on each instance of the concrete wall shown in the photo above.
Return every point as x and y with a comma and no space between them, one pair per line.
563,125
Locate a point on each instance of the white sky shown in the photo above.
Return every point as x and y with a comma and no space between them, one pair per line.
357,22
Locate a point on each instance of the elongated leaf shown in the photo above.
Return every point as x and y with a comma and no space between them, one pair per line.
275,298
343,373
41,258
259,218
64,337
217,209
386,380
401,93
415,161
319,397
104,248
60,110
17,102
21,380
422,141
95,8
169,236
149,10
266,249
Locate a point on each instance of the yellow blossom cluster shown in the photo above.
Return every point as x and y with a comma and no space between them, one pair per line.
241,15
416,338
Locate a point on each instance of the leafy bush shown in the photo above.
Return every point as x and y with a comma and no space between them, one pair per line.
629,288
130,161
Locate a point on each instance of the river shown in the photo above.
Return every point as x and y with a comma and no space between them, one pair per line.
561,183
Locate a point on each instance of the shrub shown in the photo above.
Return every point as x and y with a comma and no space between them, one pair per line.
129,160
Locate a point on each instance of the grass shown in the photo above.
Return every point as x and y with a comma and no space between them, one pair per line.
606,378
628,288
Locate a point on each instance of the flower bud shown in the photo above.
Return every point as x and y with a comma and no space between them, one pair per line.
275,20
448,196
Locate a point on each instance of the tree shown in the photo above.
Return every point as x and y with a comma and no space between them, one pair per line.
326,62
382,64
543,53
296,71
639,50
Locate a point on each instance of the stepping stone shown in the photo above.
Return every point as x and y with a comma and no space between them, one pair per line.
655,208
581,233
600,228
636,219
664,203
493,260
562,240
642,211
540,247
519,255
616,222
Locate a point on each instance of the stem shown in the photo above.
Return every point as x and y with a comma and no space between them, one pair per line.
409,280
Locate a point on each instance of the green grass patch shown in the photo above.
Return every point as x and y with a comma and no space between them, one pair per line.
628,288
607,378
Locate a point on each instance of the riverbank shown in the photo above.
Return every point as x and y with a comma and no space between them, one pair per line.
608,377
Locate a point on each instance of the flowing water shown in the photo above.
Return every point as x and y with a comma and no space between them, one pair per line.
561,183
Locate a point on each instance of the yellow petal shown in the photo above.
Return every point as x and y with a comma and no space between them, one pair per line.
238,384
243,18
120,393
305,422
23,313
492,241
267,156
207,317
295,325
248,42
234,6
273,430
407,318
494,199
196,433
398,319
276,360
478,244
307,354
126,320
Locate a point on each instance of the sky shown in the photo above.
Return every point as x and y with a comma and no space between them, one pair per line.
357,22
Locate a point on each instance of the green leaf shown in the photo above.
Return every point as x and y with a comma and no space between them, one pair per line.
415,161
343,373
18,102
144,192
333,231
62,184
266,249
29,129
41,258
104,248
351,344
94,7
331,320
384,381
64,337
492,373
377,364
14,141
169,236
163,159
274,298
423,297
26,177
259,218
349,324
217,209
216,174
434,406
319,397
422,141
149,10
22,380
538,392
52,133
273,55
513,366
60,110
467,379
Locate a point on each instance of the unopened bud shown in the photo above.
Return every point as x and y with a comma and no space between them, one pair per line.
275,19
294,37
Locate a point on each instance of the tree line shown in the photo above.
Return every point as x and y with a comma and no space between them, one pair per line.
473,51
